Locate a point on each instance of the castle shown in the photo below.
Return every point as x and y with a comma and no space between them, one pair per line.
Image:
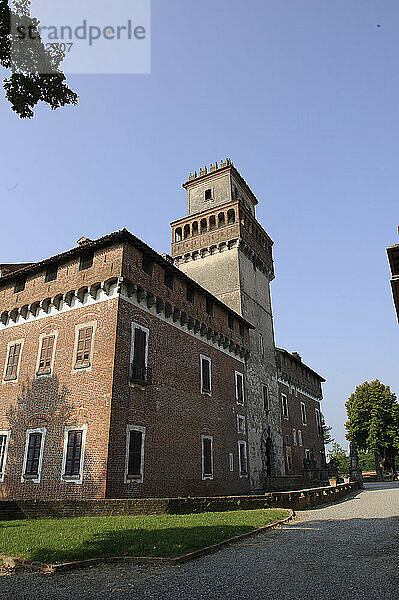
127,373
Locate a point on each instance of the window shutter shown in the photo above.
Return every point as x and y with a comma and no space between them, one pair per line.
12,362
73,454
207,453
140,344
32,460
206,375
84,347
46,354
135,443
3,442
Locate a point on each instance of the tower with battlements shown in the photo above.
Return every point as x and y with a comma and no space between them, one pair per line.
222,246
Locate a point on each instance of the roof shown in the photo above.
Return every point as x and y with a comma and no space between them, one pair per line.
121,236
299,362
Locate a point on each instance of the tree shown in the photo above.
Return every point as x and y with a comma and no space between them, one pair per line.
35,73
338,454
326,432
373,421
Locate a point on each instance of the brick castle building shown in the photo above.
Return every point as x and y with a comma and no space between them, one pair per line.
393,257
126,373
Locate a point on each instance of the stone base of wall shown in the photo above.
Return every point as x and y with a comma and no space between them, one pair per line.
294,499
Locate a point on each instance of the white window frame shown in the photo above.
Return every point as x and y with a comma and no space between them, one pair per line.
142,429
241,418
318,420
303,414
244,444
231,462
43,431
206,437
300,440
7,434
74,478
78,327
147,331
261,345
237,379
12,343
289,461
294,438
307,453
284,397
41,337
209,360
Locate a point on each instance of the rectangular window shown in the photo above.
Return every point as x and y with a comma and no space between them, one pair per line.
168,279
318,422
231,321
190,293
86,260
284,404
287,440
19,285
265,393
51,273
231,462
4,439
147,264
209,306
240,424
83,351
73,453
139,355
14,353
206,375
208,194
261,347
242,458
289,463
207,456
33,454
46,355
134,462
294,437
303,413
239,388
241,326
299,437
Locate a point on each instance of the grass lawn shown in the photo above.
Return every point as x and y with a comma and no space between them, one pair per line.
63,540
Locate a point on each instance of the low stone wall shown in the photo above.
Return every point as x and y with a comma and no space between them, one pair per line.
294,499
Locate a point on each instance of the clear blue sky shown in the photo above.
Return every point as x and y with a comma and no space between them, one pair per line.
303,95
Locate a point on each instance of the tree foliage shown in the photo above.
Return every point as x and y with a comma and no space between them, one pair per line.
340,457
373,420
326,429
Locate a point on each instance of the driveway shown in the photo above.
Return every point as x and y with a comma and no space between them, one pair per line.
349,550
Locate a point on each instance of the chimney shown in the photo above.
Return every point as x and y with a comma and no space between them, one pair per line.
83,241
297,356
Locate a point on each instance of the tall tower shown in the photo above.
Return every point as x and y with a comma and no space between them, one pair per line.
221,245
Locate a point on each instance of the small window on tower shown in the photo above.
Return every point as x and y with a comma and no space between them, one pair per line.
209,306
208,194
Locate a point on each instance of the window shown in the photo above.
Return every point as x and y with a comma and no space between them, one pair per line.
299,437
46,355
231,216
190,293
208,194
242,458
207,456
287,440
147,264
14,353
206,376
178,234
303,413
33,454
294,437
241,326
307,454
239,388
209,306
168,279
265,393
86,260
240,424
19,285
186,231
231,462
194,228
221,220
51,273
139,354
4,439
261,348
134,471
318,422
284,404
231,321
83,349
289,462
203,226
74,448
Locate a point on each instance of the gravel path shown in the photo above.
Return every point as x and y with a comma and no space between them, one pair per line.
346,551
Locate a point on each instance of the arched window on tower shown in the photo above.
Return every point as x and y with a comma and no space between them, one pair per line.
231,216
186,231
221,220
194,228
178,234
212,222
204,226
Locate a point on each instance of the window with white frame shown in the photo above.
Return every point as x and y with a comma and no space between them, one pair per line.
265,395
300,437
318,421
261,346
139,354
231,462
4,441
307,454
13,360
33,457
207,456
134,463
242,458
206,374
239,387
73,455
287,440
294,437
284,405
289,462
240,424
303,413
